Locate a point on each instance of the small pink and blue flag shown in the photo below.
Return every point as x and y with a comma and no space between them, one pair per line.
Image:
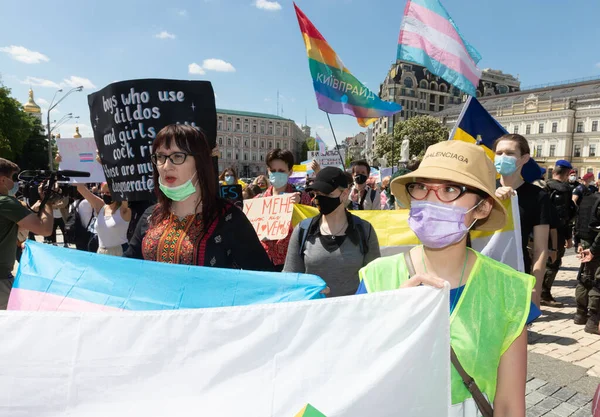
86,157
321,144
429,37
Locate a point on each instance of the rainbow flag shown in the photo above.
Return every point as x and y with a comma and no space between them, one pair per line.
429,37
337,90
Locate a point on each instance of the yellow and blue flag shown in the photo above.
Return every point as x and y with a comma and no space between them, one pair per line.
476,125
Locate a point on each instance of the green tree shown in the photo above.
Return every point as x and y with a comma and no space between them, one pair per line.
16,126
308,145
422,132
34,154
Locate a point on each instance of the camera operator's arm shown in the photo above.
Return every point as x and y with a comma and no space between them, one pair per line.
96,202
41,224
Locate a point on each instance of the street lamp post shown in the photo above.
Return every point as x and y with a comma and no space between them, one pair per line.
50,108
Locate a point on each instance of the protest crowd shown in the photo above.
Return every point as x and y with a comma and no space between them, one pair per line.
327,223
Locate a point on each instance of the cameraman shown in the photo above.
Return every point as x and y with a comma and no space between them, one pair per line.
12,216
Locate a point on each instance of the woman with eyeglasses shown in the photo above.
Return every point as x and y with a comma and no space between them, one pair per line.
191,224
451,193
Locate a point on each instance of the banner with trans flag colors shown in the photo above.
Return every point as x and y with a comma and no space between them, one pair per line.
395,236
337,90
54,278
321,144
429,37
383,354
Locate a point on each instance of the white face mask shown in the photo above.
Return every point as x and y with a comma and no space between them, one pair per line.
572,178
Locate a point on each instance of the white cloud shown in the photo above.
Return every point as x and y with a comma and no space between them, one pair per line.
42,102
22,54
271,6
74,81
164,35
267,99
40,82
182,12
598,65
218,65
196,69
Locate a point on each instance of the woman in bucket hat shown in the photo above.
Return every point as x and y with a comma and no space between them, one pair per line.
452,192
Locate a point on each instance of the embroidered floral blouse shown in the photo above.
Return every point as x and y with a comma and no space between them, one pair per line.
277,249
229,242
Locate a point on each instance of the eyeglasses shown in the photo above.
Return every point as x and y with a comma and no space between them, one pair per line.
176,158
445,193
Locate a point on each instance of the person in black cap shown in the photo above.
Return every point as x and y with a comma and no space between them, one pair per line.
334,245
563,211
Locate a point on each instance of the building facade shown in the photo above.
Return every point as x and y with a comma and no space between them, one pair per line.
422,93
559,121
245,138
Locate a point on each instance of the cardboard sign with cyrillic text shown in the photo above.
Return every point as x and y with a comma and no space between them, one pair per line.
270,216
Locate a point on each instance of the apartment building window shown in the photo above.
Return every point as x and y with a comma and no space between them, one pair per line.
516,130
541,129
539,151
229,155
262,144
220,125
237,156
592,150
228,141
552,150
577,151
254,129
278,145
246,128
254,157
554,127
262,129
221,141
229,124
285,131
254,143
278,130
595,126
245,143
270,144
528,130
579,127
270,130
262,157
245,156
238,127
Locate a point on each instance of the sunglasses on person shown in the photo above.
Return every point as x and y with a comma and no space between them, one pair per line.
446,193
176,158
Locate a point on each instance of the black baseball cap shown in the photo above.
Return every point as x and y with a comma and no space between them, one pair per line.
328,180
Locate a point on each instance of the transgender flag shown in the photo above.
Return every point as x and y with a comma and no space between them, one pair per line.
321,144
429,37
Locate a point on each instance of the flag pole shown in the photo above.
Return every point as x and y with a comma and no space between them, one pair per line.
336,142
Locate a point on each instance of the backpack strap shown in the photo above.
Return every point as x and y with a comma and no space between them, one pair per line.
304,226
373,194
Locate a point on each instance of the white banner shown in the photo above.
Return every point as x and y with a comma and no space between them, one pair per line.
383,355
80,155
327,159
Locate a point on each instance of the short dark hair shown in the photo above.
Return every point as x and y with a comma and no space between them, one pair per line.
521,141
560,171
350,178
361,163
413,165
283,155
7,168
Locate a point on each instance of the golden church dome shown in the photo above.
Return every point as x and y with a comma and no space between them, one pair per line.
77,135
30,106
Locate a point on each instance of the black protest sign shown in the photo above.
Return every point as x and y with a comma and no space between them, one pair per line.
233,193
126,116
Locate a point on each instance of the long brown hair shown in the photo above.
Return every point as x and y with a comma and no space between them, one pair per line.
232,170
193,142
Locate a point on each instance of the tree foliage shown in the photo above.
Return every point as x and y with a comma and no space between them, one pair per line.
309,145
422,132
16,126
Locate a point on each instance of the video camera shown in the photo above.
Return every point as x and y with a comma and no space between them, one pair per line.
48,180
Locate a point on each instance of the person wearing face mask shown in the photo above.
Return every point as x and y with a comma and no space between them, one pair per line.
112,220
335,244
362,196
451,193
191,224
512,152
280,164
13,215
262,182
229,177
586,188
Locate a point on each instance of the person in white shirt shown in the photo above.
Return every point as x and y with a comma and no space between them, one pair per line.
112,220
363,197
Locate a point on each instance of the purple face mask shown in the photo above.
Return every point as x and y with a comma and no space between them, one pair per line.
438,225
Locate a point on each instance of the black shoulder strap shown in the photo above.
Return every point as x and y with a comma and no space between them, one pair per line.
363,241
303,235
373,194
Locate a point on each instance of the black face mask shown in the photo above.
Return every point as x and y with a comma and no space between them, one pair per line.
360,179
108,200
327,205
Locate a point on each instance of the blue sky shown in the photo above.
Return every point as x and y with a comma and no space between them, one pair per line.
249,49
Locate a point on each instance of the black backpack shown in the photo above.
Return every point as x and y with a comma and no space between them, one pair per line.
357,222
588,223
74,232
561,199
